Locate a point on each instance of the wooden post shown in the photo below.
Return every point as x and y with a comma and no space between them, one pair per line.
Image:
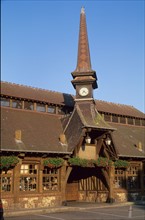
142,178
65,172
111,185
16,184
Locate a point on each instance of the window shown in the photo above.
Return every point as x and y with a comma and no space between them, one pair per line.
51,109
28,177
107,117
119,181
137,121
40,107
133,177
6,181
114,118
50,179
5,102
130,121
122,120
143,122
16,103
28,105
61,110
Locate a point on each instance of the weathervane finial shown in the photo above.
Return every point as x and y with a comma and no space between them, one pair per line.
82,10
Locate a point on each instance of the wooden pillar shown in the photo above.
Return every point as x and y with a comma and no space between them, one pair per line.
16,183
111,185
142,178
65,172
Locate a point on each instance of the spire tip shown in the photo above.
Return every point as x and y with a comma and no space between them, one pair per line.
82,10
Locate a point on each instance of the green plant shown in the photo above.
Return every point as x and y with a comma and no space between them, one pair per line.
121,163
8,161
103,162
76,161
53,162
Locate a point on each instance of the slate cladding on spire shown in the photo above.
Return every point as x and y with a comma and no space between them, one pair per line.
83,60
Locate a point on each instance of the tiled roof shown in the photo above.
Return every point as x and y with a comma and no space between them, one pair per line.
90,116
38,131
31,93
73,130
119,109
21,91
127,139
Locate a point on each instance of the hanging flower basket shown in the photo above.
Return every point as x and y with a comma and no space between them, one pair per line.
121,164
8,161
53,162
76,161
103,162
100,162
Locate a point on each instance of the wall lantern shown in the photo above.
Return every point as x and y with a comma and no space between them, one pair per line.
88,139
108,141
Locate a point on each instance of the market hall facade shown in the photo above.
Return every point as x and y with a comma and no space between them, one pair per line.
56,147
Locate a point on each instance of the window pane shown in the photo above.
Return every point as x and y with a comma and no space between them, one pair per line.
120,181
137,121
5,102
51,109
123,120
28,184
16,104
50,179
28,105
40,107
130,121
6,184
114,118
28,177
133,179
107,117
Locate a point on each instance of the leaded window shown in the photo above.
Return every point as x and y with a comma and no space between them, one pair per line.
28,177
50,180
6,181
133,177
119,181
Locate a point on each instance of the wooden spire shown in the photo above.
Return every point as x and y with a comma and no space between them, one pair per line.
83,61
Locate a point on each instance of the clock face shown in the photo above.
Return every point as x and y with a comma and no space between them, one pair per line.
83,91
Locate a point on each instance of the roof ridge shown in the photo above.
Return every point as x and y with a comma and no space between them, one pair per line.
22,85
114,103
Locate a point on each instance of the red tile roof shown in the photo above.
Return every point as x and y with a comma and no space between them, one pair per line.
26,92
40,131
127,138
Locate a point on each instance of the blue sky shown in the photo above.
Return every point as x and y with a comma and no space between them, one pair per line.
39,43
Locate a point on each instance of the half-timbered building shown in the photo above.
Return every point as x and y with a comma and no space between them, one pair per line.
56,147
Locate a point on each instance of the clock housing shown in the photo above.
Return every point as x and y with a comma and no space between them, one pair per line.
83,91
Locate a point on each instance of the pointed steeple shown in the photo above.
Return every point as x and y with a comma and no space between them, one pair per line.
83,61
83,73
